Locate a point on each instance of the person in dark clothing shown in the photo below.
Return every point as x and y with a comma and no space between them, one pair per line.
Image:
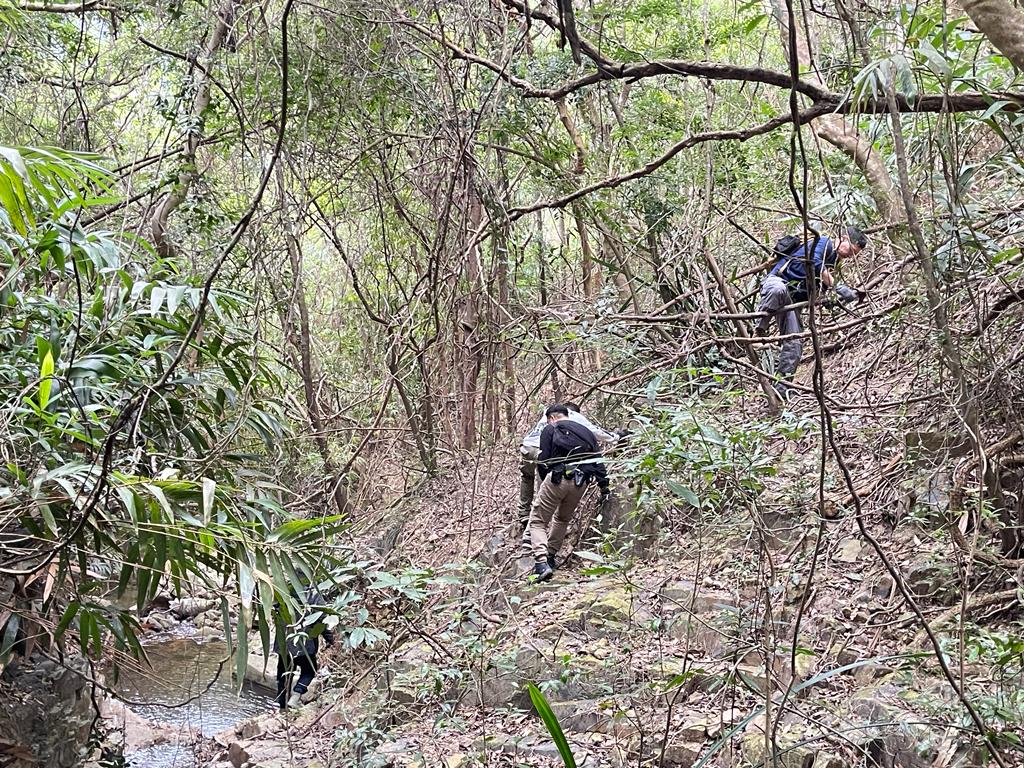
786,284
297,645
569,461
529,452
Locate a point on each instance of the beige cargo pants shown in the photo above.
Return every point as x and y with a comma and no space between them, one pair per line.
551,514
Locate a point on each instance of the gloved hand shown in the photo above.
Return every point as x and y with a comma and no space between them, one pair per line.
849,295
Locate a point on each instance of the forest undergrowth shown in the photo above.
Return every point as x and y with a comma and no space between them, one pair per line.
283,286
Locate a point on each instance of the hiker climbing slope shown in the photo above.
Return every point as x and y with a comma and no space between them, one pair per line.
786,284
529,452
569,461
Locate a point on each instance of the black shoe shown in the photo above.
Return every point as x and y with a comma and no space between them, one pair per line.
541,572
551,563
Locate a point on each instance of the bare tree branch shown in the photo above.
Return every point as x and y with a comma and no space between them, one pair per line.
691,141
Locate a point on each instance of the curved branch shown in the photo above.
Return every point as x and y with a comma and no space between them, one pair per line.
691,141
709,70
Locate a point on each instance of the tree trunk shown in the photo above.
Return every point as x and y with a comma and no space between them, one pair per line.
302,341
557,392
470,342
1002,23
224,19
950,354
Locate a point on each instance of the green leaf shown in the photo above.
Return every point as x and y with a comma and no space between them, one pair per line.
551,723
10,635
9,201
996,106
156,299
684,493
753,23
48,518
65,620
45,380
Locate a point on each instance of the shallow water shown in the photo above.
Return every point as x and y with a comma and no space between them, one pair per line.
188,684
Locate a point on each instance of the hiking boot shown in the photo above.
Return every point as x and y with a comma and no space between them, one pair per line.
551,563
541,572
294,700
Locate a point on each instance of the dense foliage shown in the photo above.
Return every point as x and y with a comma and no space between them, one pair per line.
270,267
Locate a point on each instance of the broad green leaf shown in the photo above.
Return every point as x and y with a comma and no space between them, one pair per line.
10,202
684,493
156,299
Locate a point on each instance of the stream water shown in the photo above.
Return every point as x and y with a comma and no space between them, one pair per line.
188,684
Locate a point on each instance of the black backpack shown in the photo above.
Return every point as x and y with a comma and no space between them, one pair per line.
569,441
787,245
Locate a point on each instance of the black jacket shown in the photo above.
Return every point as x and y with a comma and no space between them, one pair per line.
303,637
586,458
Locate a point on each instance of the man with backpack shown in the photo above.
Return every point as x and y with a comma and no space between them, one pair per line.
529,453
569,461
787,284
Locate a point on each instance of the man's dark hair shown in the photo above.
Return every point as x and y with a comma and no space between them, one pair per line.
556,408
857,237
571,406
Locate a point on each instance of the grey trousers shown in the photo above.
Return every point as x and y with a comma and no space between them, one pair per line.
775,295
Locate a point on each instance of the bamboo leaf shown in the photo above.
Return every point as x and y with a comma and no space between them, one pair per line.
45,380
540,703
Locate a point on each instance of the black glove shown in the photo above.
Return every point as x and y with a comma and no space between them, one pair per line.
848,295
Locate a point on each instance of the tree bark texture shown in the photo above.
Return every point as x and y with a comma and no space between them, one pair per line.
201,81
1002,22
